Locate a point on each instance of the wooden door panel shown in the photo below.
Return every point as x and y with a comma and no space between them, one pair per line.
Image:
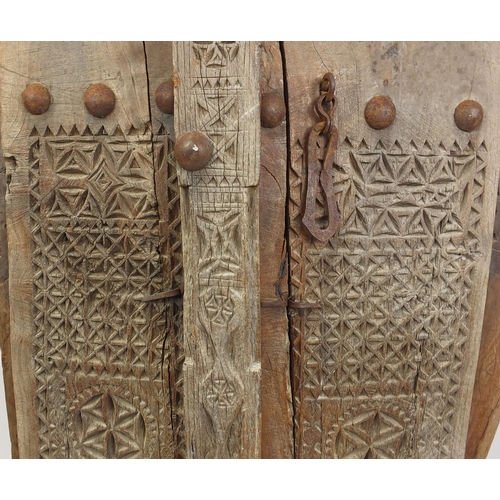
87,241
386,367
383,363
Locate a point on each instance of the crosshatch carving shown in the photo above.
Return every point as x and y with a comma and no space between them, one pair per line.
369,338
394,286
96,251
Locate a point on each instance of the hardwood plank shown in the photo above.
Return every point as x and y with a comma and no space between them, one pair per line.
277,414
160,69
217,91
84,239
485,409
5,317
393,350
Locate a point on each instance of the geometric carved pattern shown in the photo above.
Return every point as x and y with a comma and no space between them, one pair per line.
97,248
111,423
218,90
394,287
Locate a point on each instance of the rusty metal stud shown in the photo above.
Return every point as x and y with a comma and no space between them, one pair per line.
193,151
468,115
36,99
272,110
380,112
164,97
99,100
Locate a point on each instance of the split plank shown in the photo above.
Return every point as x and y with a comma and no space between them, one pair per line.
5,316
385,368
84,238
277,414
159,70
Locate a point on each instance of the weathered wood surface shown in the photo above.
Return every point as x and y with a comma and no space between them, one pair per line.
5,316
86,229
386,367
485,409
159,69
217,93
276,398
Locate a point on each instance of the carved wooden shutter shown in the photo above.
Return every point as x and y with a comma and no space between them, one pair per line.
93,220
382,366
385,367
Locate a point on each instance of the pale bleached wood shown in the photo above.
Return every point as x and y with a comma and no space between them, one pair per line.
386,367
84,247
217,93
5,316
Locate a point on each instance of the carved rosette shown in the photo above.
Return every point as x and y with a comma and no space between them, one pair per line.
111,422
217,94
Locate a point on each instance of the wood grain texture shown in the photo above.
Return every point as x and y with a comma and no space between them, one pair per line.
5,316
85,238
277,415
485,409
386,367
159,69
217,93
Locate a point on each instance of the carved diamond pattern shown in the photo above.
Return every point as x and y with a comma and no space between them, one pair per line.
98,178
394,288
111,422
96,251
95,329
371,434
109,428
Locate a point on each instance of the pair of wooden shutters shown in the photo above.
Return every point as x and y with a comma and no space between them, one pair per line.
383,367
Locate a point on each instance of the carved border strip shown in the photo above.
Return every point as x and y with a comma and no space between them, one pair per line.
217,94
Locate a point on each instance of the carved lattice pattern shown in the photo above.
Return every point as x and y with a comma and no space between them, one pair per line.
394,288
99,245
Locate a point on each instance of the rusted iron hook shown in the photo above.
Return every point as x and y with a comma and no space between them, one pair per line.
320,166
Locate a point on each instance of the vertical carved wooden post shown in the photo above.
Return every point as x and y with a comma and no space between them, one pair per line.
217,94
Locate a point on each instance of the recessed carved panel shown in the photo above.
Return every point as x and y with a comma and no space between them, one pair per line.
394,288
98,243
109,422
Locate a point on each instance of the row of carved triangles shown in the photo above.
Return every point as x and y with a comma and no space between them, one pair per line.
217,181
90,223
216,83
96,130
413,146
418,222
